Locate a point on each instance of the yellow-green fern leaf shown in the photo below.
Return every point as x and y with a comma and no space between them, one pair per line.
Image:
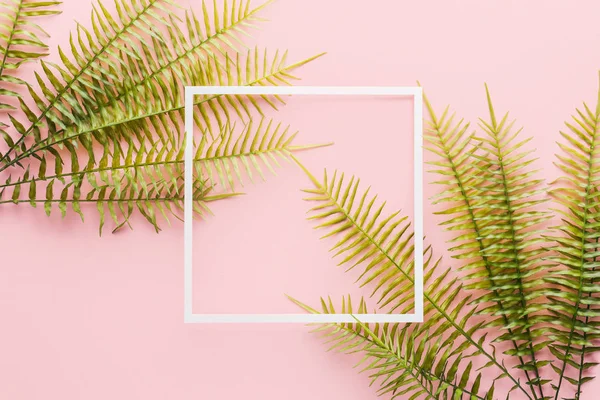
20,42
402,363
379,245
574,301
472,195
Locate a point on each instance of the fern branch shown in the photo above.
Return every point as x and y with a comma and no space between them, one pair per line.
384,345
22,42
455,147
575,304
513,246
211,164
169,108
123,198
367,239
200,45
56,107
223,159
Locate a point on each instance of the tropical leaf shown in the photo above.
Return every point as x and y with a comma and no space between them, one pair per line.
121,199
227,158
20,42
155,172
404,365
113,111
490,195
160,116
133,63
574,299
68,90
381,246
512,229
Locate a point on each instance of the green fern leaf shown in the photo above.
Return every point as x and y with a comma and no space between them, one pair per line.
121,91
381,246
123,73
132,169
20,42
574,302
498,235
403,363
155,116
225,159
512,231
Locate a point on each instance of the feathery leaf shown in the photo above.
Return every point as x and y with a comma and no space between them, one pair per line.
381,246
21,41
574,299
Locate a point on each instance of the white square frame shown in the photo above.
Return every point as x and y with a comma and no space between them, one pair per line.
403,91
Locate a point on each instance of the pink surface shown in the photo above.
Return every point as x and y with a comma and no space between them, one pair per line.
267,247
85,317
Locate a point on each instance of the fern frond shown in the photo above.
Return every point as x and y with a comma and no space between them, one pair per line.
20,42
160,114
467,191
511,229
141,71
64,95
403,364
381,246
120,198
575,303
227,157
126,163
121,91
200,41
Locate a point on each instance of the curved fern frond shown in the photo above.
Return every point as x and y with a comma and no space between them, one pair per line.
120,198
511,229
20,42
114,109
160,114
200,41
473,195
98,55
575,303
140,64
403,365
126,165
229,156
381,246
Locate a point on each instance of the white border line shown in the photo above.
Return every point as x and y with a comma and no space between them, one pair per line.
416,92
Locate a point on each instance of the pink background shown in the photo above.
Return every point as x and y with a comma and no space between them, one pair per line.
85,317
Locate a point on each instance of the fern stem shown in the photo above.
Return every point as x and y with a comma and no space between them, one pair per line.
582,358
107,200
374,339
584,228
45,142
511,225
59,95
11,36
476,229
205,199
407,365
431,301
585,334
200,45
161,163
